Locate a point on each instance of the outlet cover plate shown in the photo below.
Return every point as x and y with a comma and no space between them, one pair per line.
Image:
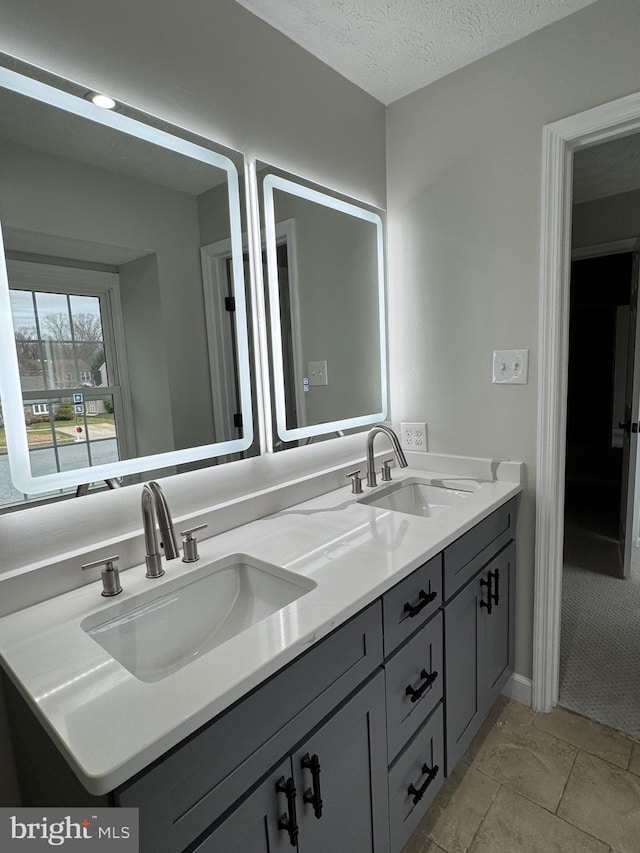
413,437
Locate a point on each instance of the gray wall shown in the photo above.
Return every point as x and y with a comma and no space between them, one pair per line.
216,69
51,195
221,72
464,187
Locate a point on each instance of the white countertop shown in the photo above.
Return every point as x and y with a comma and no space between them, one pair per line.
109,725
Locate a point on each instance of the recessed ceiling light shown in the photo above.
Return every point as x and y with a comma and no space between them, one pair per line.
100,100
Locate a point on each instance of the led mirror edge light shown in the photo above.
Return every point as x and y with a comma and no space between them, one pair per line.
53,97
259,316
272,182
10,386
274,303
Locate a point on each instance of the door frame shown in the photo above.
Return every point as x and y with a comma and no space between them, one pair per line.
560,139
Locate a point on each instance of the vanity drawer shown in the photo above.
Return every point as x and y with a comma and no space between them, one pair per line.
414,684
187,790
473,550
415,778
411,602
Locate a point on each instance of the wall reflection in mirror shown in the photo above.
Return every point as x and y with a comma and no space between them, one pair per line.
324,259
123,341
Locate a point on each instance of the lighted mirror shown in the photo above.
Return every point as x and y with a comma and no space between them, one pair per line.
123,312
324,259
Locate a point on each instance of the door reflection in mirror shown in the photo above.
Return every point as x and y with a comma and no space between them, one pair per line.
326,296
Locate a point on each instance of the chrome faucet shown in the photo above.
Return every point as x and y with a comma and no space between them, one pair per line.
393,438
154,506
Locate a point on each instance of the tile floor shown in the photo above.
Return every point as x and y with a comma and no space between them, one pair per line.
538,783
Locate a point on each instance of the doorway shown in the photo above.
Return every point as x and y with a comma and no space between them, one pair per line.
599,341
600,640
560,140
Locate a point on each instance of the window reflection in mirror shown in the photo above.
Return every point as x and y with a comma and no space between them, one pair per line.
324,269
127,350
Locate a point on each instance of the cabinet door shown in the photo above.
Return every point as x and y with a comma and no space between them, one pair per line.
463,689
497,627
253,825
478,649
340,775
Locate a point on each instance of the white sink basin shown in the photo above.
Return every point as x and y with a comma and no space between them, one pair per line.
159,632
419,497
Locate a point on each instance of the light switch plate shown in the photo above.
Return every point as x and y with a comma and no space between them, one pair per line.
317,373
511,366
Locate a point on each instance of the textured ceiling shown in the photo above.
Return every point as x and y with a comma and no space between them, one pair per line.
607,169
392,47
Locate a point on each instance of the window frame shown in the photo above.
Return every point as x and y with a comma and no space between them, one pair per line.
80,281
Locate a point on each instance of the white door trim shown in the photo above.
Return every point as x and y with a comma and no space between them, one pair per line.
560,140
219,337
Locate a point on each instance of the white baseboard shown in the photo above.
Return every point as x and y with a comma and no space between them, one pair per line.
519,688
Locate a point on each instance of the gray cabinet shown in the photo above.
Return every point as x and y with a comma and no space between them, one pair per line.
415,777
253,825
344,748
414,676
328,794
186,792
479,649
351,758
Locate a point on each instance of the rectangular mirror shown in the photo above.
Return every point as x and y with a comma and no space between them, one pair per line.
325,277
123,312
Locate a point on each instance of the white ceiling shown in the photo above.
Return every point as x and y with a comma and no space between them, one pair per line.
393,47
607,169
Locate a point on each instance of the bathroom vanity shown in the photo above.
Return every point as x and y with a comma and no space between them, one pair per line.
311,679
328,724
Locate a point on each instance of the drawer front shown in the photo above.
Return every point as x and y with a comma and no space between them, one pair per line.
181,795
414,682
474,549
415,778
411,602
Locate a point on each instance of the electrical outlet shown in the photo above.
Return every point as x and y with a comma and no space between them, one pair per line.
413,437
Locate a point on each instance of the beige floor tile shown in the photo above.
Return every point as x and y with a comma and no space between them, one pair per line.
604,801
515,825
457,811
634,764
505,714
419,844
586,734
514,752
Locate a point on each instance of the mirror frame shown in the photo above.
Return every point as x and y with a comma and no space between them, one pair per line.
274,180
10,385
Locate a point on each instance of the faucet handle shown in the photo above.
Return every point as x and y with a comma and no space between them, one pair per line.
356,482
386,470
110,575
190,544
